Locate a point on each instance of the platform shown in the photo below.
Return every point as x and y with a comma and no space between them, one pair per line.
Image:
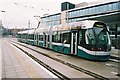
100,68
17,65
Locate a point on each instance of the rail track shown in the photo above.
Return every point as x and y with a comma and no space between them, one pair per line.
115,59
58,74
61,76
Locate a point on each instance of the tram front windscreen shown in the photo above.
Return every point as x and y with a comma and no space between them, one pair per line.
102,38
98,37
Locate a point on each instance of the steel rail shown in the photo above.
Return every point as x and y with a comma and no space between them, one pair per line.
55,72
97,76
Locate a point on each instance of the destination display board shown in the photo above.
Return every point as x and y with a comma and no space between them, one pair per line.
100,25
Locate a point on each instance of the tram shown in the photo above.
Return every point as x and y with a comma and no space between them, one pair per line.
87,39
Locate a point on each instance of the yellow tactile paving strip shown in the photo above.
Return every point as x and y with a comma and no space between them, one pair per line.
26,66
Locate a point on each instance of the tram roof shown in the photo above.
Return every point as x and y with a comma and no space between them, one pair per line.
31,31
43,29
23,32
27,31
68,26
75,25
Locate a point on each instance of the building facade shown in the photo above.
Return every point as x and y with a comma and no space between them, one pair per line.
108,11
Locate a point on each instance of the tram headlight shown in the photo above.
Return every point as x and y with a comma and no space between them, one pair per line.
99,49
93,49
96,49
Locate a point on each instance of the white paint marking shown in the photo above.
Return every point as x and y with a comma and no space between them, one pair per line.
114,60
115,73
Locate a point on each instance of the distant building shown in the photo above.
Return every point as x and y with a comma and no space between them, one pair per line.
1,28
0,23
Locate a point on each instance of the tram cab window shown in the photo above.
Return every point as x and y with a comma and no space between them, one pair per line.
103,39
90,37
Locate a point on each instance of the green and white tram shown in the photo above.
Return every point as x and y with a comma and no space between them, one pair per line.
87,39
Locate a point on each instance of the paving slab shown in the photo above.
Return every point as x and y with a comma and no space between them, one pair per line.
16,65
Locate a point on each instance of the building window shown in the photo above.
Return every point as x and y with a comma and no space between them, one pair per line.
72,14
109,7
97,9
77,13
105,8
90,10
69,14
118,5
101,9
93,10
81,12
114,5
86,11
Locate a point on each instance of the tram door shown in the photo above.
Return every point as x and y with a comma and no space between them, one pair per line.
74,40
38,39
35,39
46,41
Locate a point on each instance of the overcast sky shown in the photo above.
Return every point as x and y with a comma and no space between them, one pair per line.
19,12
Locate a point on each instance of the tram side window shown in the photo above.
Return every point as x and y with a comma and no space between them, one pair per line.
66,38
24,37
32,36
41,37
18,36
56,37
28,36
